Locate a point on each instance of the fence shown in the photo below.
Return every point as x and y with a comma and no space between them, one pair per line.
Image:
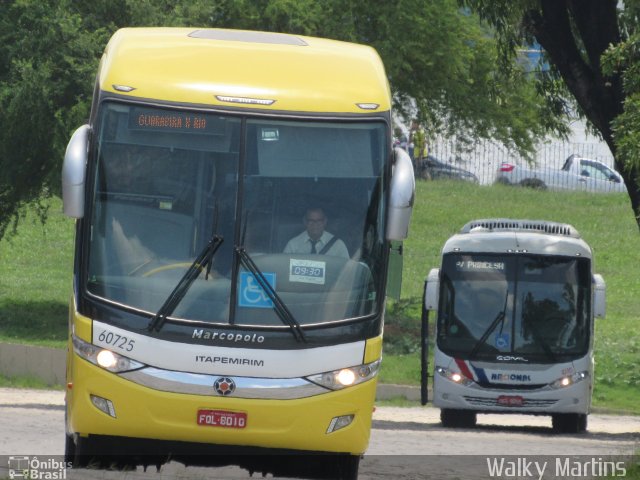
484,158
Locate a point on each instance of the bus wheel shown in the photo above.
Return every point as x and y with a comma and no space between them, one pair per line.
453,418
87,455
83,453
569,422
348,467
69,449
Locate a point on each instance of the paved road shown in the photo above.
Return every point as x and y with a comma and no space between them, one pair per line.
406,443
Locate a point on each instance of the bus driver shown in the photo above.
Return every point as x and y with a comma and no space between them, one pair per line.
315,239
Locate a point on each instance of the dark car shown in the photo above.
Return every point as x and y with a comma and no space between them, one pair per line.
433,169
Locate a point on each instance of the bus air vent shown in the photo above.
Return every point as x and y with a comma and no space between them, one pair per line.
508,225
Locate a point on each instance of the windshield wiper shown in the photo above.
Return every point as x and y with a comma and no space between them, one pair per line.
499,318
279,306
202,261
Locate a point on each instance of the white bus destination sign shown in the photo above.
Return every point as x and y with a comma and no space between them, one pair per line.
479,266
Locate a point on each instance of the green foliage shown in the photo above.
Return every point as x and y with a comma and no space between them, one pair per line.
592,49
633,468
623,59
47,65
402,327
438,59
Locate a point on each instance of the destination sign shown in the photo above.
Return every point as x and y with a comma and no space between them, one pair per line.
479,266
164,120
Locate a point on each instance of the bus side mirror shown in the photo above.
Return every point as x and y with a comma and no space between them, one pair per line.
402,194
432,292
74,170
599,296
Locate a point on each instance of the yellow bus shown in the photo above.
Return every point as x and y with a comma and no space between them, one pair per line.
236,195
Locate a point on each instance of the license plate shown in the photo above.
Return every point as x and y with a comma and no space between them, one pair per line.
510,401
221,418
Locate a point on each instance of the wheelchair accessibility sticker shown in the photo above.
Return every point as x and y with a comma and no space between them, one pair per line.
502,341
252,294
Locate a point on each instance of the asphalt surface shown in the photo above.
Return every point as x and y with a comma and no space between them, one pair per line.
406,443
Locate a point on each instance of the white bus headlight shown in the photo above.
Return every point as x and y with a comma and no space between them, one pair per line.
346,377
569,380
455,377
106,359
114,362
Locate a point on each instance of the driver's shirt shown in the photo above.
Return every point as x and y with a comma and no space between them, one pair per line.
302,244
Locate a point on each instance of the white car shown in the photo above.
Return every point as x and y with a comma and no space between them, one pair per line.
577,173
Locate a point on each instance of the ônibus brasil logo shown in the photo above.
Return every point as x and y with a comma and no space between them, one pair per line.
33,468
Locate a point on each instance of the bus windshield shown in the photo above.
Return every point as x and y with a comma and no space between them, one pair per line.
165,182
532,307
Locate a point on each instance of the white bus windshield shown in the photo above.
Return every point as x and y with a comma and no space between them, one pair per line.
167,181
533,307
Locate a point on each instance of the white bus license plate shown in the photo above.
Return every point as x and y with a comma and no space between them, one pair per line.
221,418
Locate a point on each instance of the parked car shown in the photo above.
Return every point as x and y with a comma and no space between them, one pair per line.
433,169
577,173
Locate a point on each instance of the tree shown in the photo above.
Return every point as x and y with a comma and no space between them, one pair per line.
47,66
595,58
439,60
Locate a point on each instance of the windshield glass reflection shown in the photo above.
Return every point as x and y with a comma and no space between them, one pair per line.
534,307
304,200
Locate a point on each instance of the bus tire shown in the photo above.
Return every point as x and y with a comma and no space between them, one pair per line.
88,454
69,443
569,422
69,449
348,467
84,453
455,418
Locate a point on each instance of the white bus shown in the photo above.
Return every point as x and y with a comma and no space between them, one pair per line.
515,301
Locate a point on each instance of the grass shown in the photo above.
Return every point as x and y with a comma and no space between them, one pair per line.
27,382
606,222
36,269
633,469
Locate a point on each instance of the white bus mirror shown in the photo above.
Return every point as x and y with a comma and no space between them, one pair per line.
402,194
74,170
432,293
599,296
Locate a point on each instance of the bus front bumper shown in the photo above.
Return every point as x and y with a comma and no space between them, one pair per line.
575,398
140,412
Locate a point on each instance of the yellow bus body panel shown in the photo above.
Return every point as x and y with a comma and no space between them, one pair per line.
82,327
319,76
142,412
205,68
373,350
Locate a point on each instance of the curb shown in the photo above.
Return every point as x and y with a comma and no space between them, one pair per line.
49,365
44,363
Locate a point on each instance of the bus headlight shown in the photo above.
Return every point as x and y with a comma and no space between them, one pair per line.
569,380
455,377
111,361
346,377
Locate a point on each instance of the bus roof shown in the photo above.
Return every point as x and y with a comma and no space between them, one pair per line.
518,236
244,69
